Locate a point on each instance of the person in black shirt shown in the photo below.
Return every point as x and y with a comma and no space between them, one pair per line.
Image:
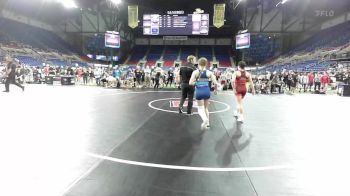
187,91
346,78
138,76
11,75
170,78
157,78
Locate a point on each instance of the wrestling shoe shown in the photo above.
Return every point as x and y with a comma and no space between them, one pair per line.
180,110
240,118
204,125
235,113
208,125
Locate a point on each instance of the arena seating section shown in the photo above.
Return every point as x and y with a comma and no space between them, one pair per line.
57,62
138,54
79,63
261,48
170,54
205,51
314,53
328,39
222,55
154,55
29,60
24,38
96,44
187,51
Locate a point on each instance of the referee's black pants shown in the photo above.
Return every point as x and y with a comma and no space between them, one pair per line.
187,91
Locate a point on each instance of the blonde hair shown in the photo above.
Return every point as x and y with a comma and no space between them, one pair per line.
191,59
202,62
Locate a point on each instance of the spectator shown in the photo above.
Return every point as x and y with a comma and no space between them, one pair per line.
170,78
325,81
311,78
275,82
347,78
317,81
138,76
98,73
91,76
157,79
303,81
147,76
85,76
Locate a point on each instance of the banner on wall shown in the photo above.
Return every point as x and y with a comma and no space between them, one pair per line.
219,15
133,16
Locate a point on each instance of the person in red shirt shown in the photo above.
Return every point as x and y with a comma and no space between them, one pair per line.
46,70
311,78
325,80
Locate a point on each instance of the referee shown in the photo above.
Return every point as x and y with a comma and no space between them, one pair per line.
187,91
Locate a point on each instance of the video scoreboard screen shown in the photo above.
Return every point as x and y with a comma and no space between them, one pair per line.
243,41
191,24
112,39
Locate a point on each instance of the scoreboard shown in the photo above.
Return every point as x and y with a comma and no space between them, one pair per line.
243,41
191,24
112,39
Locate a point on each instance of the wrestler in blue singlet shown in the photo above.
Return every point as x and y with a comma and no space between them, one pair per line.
202,86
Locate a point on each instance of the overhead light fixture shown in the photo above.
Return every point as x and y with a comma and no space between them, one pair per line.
68,3
116,2
281,2
198,11
239,1
243,31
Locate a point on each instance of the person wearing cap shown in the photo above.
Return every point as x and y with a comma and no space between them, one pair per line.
11,75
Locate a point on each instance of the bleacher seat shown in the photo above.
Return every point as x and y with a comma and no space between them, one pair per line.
154,55
223,56
261,48
170,55
187,51
28,60
138,53
57,62
205,51
35,37
326,40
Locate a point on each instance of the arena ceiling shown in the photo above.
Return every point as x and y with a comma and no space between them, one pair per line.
51,12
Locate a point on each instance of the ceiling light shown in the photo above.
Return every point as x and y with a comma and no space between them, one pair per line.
68,3
116,1
281,2
239,1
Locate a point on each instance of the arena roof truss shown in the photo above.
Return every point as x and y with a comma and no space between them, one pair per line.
293,16
99,19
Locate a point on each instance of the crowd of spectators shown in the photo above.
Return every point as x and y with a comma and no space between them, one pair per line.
301,82
155,77
117,76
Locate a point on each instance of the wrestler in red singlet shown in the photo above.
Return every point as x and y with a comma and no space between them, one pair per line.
240,83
